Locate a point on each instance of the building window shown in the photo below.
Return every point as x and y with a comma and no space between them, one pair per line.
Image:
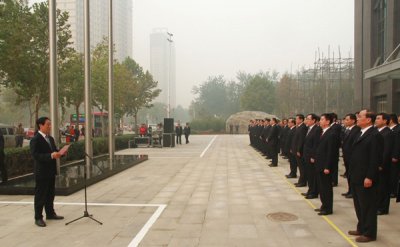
381,103
380,20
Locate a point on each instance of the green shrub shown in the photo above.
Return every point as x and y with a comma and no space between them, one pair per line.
210,124
19,160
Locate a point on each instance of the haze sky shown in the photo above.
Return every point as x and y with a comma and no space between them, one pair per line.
222,37
214,37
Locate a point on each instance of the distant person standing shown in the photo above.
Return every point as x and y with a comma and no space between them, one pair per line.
186,132
77,133
237,128
19,136
231,129
3,168
45,154
178,132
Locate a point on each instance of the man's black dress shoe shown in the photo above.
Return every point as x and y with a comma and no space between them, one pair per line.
322,212
304,194
40,223
345,194
271,165
349,195
54,217
380,212
317,210
300,185
291,176
311,196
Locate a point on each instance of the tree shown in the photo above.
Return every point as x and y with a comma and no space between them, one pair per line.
72,81
24,50
140,91
259,93
212,98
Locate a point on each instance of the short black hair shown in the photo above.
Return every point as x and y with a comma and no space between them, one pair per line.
313,116
352,116
41,121
385,116
393,118
291,120
370,114
301,116
334,116
328,116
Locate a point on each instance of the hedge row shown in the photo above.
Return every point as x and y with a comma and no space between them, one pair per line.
19,160
208,124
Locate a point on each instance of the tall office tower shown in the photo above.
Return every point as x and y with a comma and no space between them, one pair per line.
122,19
162,65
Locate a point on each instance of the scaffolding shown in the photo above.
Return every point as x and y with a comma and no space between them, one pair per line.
326,86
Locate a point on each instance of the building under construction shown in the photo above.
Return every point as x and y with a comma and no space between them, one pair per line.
326,86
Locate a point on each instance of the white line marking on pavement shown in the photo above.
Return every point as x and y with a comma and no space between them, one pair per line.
205,150
139,236
135,242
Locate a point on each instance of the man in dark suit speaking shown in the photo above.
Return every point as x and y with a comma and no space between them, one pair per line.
45,153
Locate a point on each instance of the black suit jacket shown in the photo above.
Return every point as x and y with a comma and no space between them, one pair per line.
298,139
273,135
289,139
396,144
311,142
325,154
348,141
45,166
366,157
388,140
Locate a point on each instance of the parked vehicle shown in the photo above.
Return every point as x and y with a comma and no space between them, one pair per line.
8,134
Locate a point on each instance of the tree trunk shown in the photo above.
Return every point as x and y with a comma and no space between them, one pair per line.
103,127
37,106
136,125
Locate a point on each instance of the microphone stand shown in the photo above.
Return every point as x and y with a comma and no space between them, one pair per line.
85,213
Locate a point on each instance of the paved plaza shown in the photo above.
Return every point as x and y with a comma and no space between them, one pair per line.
215,191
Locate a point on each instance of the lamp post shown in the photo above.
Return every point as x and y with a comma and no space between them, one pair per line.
111,145
169,39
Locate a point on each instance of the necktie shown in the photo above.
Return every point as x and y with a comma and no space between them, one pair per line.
308,131
346,132
48,141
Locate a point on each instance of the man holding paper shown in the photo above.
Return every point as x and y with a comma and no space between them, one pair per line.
45,153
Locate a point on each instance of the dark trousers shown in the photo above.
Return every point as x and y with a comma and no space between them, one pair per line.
3,169
19,140
274,154
293,164
312,179
302,170
394,177
365,205
335,172
383,191
178,139
325,191
346,165
44,197
187,138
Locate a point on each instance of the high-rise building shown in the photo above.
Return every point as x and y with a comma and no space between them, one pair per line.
162,65
377,55
122,27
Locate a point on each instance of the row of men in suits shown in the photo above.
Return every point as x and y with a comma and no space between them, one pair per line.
370,152
264,136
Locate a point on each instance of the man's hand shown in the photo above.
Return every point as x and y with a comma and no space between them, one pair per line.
55,155
394,160
326,171
312,160
367,183
298,154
